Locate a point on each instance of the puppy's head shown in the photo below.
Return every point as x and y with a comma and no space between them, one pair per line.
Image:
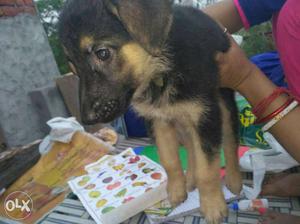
112,45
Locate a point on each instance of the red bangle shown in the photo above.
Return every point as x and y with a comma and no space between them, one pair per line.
275,113
260,108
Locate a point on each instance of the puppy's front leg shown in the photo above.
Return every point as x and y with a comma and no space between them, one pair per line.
207,177
186,139
230,145
207,140
168,146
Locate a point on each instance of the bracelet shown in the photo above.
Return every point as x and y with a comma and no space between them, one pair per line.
279,116
262,106
274,113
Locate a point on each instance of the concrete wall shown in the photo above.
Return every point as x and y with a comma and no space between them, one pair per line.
26,63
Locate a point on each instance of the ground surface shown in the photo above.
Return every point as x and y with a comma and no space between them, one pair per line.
72,212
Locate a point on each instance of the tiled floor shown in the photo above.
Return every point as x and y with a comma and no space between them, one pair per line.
71,210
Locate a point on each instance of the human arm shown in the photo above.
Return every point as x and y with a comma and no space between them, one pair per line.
238,73
287,131
226,13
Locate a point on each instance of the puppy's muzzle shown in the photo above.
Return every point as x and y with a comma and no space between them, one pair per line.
105,111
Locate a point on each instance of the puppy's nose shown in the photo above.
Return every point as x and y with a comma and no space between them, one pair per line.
112,105
105,110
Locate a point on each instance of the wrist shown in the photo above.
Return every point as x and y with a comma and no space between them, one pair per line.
257,87
250,76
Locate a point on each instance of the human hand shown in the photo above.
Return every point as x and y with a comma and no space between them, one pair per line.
234,66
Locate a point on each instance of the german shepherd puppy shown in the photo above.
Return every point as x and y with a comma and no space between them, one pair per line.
160,58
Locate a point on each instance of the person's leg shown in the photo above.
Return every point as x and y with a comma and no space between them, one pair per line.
272,217
283,185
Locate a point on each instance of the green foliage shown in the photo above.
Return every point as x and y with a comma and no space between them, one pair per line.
48,10
59,54
258,39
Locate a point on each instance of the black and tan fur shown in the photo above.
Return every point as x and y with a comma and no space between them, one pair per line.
159,58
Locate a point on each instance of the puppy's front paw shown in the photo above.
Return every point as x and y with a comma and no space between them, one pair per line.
190,181
213,209
176,192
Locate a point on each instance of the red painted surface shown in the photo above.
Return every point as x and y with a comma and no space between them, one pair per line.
10,8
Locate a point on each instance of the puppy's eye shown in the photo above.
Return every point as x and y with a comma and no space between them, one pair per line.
103,54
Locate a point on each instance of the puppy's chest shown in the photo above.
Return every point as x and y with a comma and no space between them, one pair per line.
161,100
189,110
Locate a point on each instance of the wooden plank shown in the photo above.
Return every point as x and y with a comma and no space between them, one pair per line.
72,219
70,211
8,221
247,220
68,86
286,204
3,145
48,222
86,215
294,212
71,202
15,162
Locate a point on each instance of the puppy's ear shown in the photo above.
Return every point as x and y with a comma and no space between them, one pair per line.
147,21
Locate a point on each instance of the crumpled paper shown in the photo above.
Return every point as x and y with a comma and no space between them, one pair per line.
62,130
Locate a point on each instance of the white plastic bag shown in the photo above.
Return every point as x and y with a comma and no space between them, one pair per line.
260,161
